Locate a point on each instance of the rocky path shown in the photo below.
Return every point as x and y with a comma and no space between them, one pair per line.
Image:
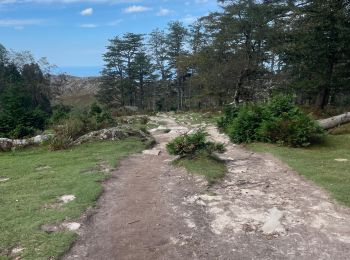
261,210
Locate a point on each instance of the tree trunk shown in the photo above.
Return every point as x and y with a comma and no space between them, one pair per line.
335,121
322,98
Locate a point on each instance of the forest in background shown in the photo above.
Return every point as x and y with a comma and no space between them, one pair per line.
244,53
25,94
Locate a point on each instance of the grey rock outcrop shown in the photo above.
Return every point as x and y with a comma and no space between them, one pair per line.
114,133
5,144
8,144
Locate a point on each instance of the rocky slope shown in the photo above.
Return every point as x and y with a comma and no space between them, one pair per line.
73,90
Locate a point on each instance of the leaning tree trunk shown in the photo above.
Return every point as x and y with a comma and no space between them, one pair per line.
335,121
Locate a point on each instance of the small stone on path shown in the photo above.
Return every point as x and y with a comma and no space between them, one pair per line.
152,152
273,223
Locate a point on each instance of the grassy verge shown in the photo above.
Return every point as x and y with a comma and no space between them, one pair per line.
212,168
318,163
37,178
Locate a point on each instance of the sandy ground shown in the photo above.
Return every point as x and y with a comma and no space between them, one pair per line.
261,210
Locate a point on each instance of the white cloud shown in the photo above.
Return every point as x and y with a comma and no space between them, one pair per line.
136,9
163,12
19,22
87,11
88,25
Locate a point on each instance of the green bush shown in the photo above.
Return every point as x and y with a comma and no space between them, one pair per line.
284,123
277,121
19,118
60,142
190,145
59,112
66,132
79,123
230,113
22,131
244,128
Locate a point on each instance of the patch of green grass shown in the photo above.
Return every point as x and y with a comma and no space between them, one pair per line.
38,177
318,163
209,166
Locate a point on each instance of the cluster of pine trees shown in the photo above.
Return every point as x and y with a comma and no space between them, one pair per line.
245,52
24,94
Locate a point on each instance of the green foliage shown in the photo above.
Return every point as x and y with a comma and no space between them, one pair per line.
285,123
317,50
22,131
277,121
95,109
190,145
78,124
24,96
244,127
230,113
60,141
59,112
18,116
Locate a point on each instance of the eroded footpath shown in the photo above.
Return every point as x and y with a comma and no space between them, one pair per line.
261,210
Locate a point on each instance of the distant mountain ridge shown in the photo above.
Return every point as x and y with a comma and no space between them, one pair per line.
72,90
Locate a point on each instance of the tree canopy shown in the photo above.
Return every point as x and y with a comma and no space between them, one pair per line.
244,52
24,95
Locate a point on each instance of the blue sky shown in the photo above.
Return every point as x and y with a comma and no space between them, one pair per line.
73,34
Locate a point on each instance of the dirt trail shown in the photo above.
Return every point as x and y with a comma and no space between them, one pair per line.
261,210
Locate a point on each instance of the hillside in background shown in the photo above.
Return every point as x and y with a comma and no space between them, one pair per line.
75,91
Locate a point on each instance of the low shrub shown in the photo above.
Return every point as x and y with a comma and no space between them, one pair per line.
59,112
284,123
65,133
60,142
296,131
230,113
244,127
277,121
22,131
190,145
78,124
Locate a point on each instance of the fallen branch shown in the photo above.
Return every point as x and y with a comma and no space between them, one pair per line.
335,121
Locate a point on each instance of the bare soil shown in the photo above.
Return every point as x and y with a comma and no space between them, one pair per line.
261,210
